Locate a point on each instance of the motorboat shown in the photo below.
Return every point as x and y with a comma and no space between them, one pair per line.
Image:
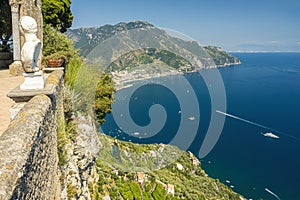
271,135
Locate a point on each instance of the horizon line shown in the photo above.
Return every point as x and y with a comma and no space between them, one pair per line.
262,51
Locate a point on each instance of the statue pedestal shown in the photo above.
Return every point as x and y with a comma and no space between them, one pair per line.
33,81
18,95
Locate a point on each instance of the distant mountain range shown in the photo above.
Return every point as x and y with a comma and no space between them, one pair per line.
86,39
127,45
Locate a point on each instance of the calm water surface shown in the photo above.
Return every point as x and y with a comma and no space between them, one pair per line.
264,89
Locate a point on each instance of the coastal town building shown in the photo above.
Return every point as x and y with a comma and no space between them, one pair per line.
170,189
141,177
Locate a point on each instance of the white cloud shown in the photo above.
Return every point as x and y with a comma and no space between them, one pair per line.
298,43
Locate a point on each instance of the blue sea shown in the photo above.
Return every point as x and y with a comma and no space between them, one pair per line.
263,95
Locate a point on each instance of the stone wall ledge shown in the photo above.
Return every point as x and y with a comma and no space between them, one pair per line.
28,148
52,82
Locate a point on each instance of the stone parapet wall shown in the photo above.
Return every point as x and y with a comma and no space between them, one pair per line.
28,148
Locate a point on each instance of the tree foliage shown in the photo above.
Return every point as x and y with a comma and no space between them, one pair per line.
5,25
159,192
57,13
104,97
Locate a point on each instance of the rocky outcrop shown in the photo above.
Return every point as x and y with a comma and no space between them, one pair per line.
80,172
221,58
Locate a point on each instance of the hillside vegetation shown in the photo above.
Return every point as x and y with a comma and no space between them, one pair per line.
132,60
106,167
184,174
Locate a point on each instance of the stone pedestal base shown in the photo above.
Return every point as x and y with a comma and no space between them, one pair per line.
33,81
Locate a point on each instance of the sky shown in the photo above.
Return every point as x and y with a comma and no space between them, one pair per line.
234,25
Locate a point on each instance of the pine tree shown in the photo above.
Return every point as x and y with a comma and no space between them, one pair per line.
57,13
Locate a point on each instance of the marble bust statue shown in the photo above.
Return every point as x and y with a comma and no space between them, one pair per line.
32,46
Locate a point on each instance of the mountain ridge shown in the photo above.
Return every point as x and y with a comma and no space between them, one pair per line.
124,37
83,35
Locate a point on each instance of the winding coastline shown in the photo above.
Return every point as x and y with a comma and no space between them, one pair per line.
125,79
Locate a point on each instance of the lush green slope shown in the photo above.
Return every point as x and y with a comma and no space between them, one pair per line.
132,60
159,167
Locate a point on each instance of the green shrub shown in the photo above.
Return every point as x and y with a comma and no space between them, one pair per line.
126,191
72,69
159,192
62,139
135,189
56,43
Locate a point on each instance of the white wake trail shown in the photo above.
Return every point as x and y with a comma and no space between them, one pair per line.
241,119
272,193
257,124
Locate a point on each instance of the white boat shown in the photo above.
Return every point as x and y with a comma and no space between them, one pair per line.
192,118
136,133
271,135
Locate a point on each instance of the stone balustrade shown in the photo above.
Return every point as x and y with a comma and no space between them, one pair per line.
28,148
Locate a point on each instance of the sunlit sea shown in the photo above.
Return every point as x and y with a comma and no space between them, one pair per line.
264,90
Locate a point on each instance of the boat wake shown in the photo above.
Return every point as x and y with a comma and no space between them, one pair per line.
272,193
259,125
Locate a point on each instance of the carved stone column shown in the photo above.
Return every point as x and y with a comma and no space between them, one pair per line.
15,14
16,67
